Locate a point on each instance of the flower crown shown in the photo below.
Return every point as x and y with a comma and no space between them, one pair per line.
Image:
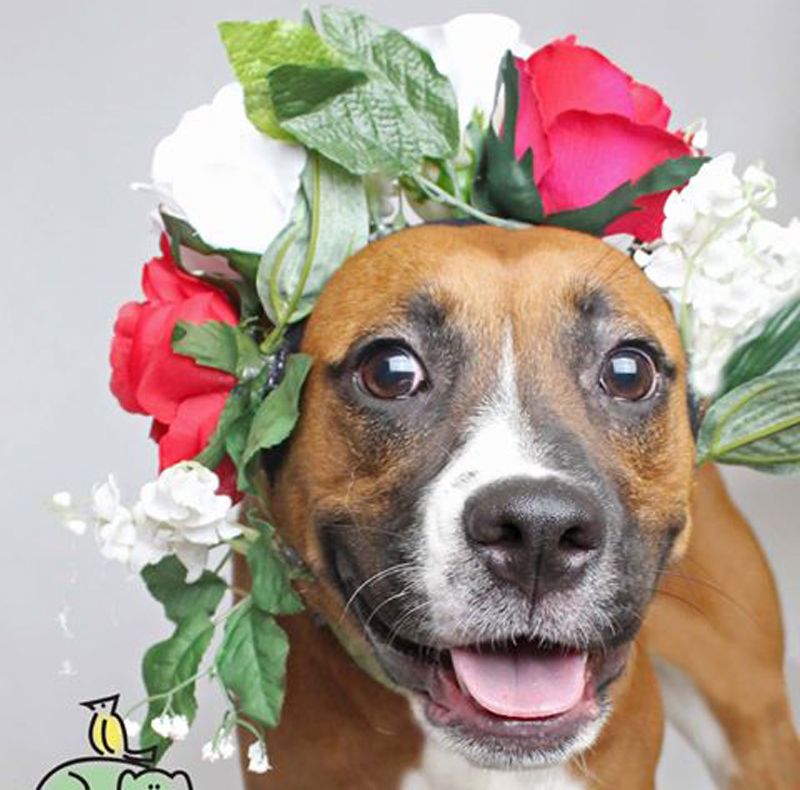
340,130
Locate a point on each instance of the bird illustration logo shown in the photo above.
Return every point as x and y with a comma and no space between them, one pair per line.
115,765
107,734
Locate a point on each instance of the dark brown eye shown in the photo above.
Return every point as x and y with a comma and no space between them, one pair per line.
390,373
629,374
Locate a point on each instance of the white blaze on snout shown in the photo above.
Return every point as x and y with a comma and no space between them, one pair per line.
498,446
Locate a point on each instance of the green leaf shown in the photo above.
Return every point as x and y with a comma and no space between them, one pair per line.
249,359
403,112
277,414
212,344
330,222
298,90
271,589
255,48
757,424
172,664
166,581
236,438
181,233
776,347
594,219
236,407
252,663
504,185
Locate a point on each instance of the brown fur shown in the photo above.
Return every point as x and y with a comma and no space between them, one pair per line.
342,729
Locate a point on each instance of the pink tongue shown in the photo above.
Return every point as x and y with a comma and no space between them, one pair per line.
521,684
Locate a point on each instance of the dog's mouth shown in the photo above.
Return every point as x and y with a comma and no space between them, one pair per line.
520,697
510,703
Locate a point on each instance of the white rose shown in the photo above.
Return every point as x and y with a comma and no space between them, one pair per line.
468,50
234,185
184,498
187,514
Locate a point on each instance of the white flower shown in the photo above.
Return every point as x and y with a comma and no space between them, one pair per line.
62,500
123,534
210,753
222,747
132,728
468,50
64,507
233,184
188,513
175,728
724,267
257,754
179,513
696,134
760,185
185,497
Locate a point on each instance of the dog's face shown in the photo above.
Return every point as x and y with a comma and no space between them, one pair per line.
492,467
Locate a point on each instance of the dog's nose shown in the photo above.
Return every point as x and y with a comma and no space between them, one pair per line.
539,535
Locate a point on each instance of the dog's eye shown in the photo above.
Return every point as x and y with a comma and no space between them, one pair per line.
629,373
390,373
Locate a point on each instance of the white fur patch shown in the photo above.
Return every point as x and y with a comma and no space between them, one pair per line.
498,446
691,715
442,769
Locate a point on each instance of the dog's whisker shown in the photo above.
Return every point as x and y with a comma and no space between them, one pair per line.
382,574
398,624
405,591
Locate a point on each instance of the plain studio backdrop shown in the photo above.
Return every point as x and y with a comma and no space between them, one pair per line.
88,90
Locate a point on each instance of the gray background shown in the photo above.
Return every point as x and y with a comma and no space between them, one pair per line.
87,90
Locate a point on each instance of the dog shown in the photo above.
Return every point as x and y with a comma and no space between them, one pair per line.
493,482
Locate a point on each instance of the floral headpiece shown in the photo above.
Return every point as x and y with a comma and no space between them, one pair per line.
338,131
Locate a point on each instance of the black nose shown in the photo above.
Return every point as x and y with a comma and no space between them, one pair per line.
539,535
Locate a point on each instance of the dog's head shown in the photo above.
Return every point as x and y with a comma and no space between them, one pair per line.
492,467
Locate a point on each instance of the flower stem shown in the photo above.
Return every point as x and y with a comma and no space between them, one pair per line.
275,337
171,693
435,192
223,562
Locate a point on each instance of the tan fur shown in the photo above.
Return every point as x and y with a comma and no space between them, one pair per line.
340,728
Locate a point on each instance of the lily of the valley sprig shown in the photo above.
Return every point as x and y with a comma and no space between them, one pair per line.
320,146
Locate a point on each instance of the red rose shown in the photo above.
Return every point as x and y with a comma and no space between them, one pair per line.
591,128
185,399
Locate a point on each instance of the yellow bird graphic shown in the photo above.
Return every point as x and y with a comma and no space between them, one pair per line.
107,734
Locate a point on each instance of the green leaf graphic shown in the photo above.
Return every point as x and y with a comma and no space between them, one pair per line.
171,665
594,219
272,589
504,185
776,347
166,581
330,222
181,233
756,424
256,48
401,111
252,663
212,344
277,414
